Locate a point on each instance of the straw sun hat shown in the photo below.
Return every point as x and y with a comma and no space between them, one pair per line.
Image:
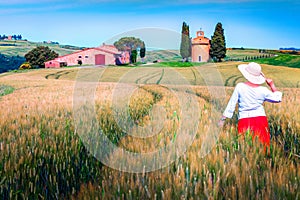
252,72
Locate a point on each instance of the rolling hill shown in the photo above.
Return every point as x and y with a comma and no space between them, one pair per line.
20,48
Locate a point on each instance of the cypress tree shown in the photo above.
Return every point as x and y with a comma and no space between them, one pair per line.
143,51
133,56
185,45
218,44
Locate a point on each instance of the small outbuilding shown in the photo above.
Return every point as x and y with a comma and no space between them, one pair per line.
54,64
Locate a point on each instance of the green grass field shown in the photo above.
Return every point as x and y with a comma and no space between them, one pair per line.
282,60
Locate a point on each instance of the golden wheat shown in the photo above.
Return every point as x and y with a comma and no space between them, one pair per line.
43,157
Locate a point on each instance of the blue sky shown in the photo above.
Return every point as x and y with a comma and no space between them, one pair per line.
247,23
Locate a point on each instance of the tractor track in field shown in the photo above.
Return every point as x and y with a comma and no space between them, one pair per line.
194,74
228,79
58,74
144,79
235,80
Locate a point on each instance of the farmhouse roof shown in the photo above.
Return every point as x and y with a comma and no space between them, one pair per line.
95,48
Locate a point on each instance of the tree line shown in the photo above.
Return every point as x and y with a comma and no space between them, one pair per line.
247,58
14,37
35,58
8,63
131,45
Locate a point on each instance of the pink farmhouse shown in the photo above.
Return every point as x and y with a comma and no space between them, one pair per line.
103,55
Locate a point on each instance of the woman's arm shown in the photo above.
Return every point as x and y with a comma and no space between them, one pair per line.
230,108
275,96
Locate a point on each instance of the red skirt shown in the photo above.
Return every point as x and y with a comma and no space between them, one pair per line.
258,126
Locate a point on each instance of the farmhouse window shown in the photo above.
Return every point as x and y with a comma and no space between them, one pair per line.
79,56
86,56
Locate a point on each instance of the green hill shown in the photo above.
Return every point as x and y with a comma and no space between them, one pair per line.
163,55
20,48
282,60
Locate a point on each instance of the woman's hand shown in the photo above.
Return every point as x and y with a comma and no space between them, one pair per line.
269,81
271,84
222,121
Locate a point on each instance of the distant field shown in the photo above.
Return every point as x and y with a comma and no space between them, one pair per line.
239,54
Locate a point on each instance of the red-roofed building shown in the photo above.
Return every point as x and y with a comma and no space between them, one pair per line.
103,55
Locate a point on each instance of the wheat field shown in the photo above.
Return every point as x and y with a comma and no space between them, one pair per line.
43,155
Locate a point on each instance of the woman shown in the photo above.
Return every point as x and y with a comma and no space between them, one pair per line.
250,97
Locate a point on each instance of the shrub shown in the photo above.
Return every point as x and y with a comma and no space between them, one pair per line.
39,55
6,89
25,65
